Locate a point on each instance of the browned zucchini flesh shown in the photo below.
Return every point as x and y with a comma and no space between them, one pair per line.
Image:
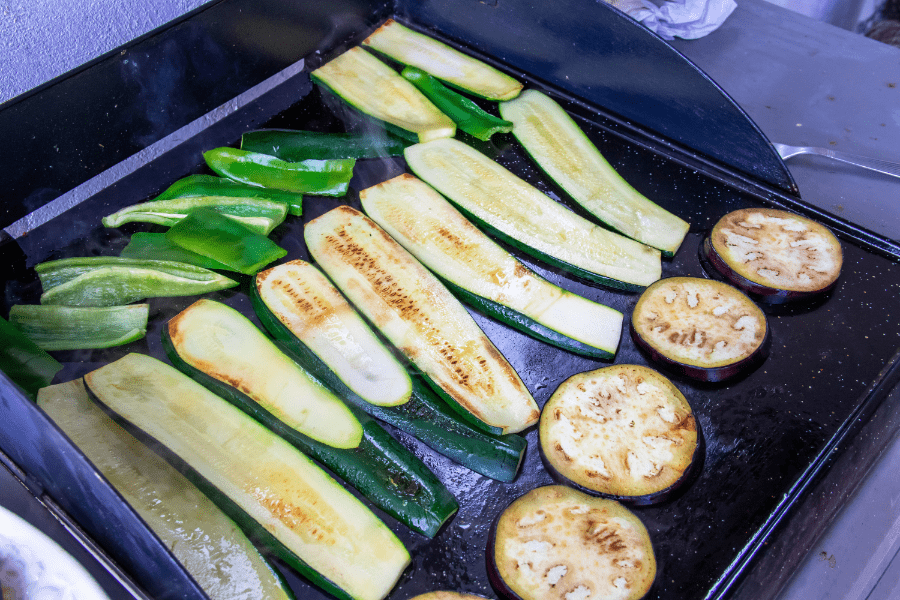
623,431
556,543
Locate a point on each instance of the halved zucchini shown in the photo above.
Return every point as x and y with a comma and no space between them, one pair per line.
274,492
702,328
622,431
564,152
485,275
373,88
411,48
223,350
520,215
211,547
420,317
556,543
774,254
421,415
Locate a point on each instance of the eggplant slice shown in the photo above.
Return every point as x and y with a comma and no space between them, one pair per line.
622,431
776,255
705,329
556,543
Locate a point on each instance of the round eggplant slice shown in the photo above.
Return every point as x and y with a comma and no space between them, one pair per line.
622,431
774,254
556,543
702,328
446,596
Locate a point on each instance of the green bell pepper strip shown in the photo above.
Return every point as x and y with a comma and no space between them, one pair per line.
155,246
113,280
293,145
320,177
80,327
210,234
210,185
23,361
467,115
257,214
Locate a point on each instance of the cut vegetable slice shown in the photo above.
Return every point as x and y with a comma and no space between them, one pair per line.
80,327
556,543
211,547
113,280
293,145
321,177
219,341
460,70
262,216
304,301
23,361
446,596
519,214
254,375
154,246
776,255
565,153
210,185
274,492
420,317
702,328
421,415
373,88
485,275
622,431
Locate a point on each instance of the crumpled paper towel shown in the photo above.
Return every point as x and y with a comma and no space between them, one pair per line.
687,19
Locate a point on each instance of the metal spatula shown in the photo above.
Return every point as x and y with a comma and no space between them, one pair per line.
875,164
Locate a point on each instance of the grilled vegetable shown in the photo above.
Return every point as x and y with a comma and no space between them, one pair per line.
274,492
262,216
702,328
420,317
409,47
320,177
210,185
565,153
776,255
622,431
112,281
446,596
23,361
467,115
154,246
80,327
520,215
373,88
556,543
211,547
209,234
293,145
315,325
485,275
220,348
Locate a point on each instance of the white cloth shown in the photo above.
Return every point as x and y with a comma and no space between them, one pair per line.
687,19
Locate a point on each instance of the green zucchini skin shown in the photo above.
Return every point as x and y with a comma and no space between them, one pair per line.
424,417
380,468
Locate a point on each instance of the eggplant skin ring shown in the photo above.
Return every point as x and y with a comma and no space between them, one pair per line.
556,543
774,255
704,329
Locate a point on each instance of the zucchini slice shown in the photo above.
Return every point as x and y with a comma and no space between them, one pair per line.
622,431
320,307
522,216
420,317
373,88
773,254
702,328
211,547
559,147
460,70
249,371
304,301
274,492
556,543
485,275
